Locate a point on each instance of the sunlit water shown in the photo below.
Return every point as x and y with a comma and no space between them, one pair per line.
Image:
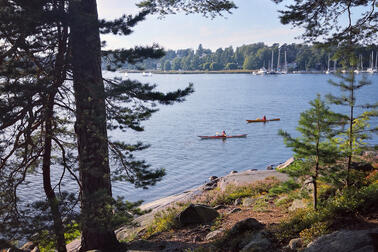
221,102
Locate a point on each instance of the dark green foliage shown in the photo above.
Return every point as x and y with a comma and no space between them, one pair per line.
331,20
50,78
252,56
284,187
352,139
335,212
173,6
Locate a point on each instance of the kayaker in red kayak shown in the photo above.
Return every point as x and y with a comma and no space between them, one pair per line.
224,133
264,118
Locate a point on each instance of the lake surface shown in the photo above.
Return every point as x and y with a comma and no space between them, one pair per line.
224,102
220,102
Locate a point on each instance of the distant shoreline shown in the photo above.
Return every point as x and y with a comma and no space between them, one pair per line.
239,71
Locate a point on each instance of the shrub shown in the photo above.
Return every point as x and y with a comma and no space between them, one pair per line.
163,221
315,231
284,187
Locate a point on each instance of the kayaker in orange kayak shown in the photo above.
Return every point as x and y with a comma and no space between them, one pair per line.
264,118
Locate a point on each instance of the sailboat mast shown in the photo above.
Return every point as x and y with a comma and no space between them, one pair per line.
362,66
329,60
271,66
285,63
278,63
372,60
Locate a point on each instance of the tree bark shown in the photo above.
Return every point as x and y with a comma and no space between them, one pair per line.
50,194
90,127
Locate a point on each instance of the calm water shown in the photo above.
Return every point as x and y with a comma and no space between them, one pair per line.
222,102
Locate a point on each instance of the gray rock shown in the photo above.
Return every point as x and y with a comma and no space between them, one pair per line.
253,169
281,200
269,167
295,243
247,202
346,241
233,172
214,235
27,247
286,164
219,207
212,178
259,242
235,210
298,204
197,214
74,246
249,177
249,224
238,202
208,188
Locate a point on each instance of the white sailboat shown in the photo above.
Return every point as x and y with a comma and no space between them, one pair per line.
261,71
329,60
144,74
371,68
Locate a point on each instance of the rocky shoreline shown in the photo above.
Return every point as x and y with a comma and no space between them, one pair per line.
233,178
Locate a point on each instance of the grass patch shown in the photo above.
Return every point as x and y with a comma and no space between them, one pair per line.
261,205
164,220
238,192
217,223
284,187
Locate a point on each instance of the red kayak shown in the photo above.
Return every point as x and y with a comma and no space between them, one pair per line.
222,137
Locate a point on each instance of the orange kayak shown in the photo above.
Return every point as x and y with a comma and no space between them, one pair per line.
262,120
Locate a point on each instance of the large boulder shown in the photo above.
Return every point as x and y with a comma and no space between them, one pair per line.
249,224
259,242
214,234
295,244
346,241
197,214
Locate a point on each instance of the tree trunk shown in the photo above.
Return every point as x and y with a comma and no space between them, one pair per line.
350,154
50,194
59,77
315,193
90,127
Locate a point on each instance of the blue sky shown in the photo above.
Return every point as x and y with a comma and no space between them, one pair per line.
254,21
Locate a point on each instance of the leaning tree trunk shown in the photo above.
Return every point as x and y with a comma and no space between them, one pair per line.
90,127
46,168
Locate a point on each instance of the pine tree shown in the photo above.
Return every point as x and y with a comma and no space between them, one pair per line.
315,148
51,48
358,128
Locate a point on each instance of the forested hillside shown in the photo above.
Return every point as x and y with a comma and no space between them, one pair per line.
248,57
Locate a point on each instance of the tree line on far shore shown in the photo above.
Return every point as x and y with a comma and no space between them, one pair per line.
249,57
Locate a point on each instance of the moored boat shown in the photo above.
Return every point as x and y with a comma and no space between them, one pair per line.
223,137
